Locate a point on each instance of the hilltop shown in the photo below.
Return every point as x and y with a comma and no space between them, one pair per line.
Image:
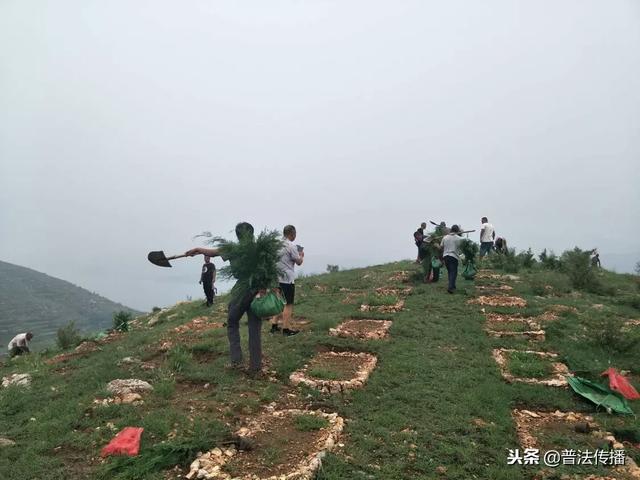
31,300
425,400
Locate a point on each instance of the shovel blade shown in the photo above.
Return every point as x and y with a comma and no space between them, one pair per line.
158,258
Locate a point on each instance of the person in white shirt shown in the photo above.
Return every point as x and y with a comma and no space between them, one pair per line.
19,344
290,256
487,235
451,252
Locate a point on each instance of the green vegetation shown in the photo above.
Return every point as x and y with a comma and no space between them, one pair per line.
33,301
309,423
380,300
121,321
419,410
529,365
68,336
323,373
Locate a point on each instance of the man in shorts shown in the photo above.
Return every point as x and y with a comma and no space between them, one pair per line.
487,236
290,256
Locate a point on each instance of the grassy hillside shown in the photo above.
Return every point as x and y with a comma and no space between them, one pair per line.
435,406
30,300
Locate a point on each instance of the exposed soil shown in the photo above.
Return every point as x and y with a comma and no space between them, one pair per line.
286,444
397,307
198,324
345,367
365,329
396,292
278,447
401,276
499,301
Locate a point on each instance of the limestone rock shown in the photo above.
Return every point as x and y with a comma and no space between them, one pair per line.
17,379
130,385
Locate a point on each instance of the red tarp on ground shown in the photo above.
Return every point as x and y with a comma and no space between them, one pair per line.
620,384
126,442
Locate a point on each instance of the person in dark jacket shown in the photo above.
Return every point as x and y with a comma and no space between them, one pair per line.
207,279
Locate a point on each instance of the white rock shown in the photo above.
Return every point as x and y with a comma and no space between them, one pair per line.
6,442
129,385
17,379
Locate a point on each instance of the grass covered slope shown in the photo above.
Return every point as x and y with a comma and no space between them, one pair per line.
435,406
30,300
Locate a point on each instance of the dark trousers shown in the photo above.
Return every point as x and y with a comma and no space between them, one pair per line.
15,351
208,291
452,271
236,311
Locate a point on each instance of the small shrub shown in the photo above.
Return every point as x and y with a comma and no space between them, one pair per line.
527,259
576,264
155,309
179,358
506,261
310,423
165,388
121,321
68,336
470,250
610,335
549,261
333,268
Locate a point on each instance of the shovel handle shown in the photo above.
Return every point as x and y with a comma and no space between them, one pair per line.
176,256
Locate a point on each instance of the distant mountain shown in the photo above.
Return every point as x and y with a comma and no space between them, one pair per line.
33,301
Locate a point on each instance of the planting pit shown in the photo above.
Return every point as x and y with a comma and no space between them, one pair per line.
499,301
562,309
354,297
501,288
401,276
284,445
528,366
362,328
570,430
198,324
335,371
396,307
509,326
396,292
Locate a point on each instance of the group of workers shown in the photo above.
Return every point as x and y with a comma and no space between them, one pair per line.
443,246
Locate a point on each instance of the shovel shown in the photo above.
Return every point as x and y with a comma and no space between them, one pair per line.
158,258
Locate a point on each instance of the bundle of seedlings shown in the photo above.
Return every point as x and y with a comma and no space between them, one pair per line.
469,249
253,261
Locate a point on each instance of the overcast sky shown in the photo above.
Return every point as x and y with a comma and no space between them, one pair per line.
133,126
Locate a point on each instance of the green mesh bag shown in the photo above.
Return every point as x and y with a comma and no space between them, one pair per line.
268,304
469,272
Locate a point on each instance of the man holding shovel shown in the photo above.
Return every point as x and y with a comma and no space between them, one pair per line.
241,297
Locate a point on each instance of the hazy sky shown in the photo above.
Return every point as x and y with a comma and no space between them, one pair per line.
133,126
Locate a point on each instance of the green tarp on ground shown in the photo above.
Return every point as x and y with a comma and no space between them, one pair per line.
600,395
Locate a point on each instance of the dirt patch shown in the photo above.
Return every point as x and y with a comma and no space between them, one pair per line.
555,430
514,327
555,379
396,292
500,288
561,309
396,307
495,276
365,329
198,324
335,371
285,444
401,276
353,297
84,349
499,301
